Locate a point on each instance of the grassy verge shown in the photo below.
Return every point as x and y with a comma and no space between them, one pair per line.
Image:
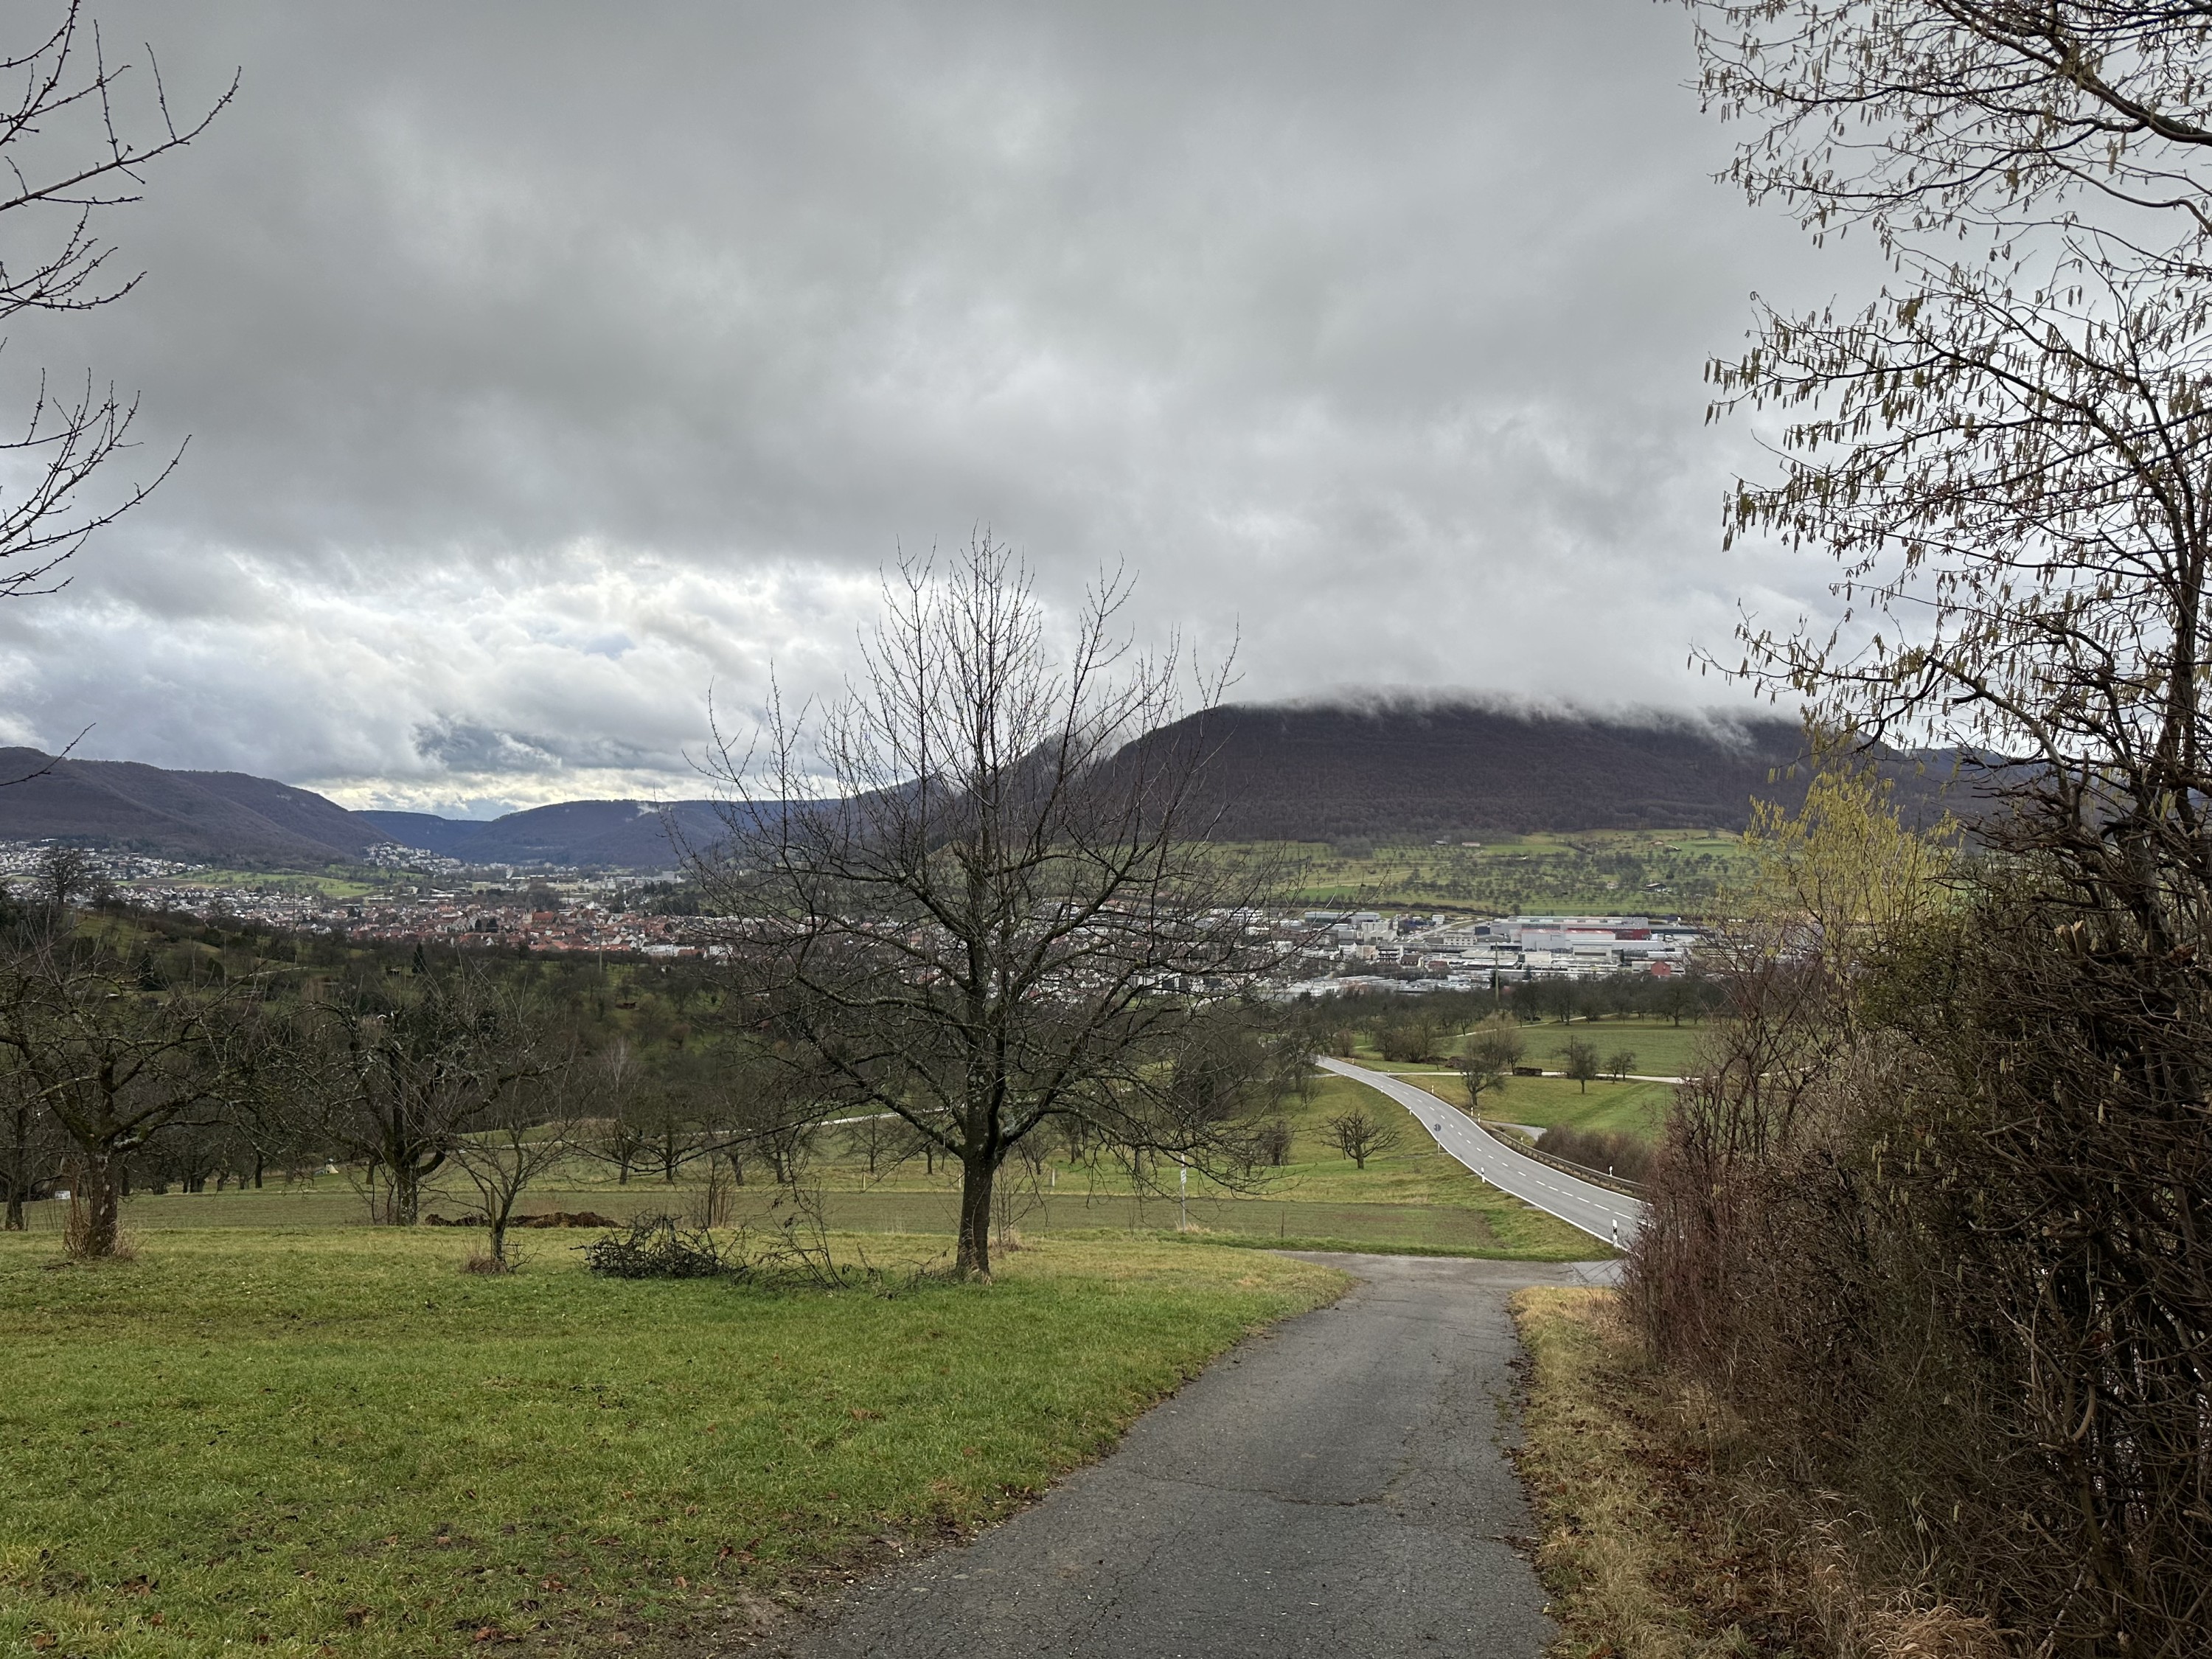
1638,1109
333,1443
1660,1537
1582,1249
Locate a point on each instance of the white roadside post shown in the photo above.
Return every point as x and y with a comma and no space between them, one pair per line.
1182,1198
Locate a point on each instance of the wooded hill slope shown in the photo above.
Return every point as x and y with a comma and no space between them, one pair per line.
1408,771
213,817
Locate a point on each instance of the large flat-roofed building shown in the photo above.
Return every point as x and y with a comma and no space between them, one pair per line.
1555,945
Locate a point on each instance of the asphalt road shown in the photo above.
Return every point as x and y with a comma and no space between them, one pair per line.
1333,1489
1598,1211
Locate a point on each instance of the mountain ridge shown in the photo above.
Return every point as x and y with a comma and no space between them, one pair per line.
1372,771
1421,770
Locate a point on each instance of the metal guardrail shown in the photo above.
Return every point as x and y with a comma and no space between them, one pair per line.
1564,1166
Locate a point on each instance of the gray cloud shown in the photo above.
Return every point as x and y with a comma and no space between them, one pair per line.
546,364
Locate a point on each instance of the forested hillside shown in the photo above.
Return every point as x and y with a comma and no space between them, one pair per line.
216,816
619,834
1398,772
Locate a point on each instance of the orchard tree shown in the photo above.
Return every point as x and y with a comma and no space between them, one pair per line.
1358,1134
963,894
1578,1059
30,1141
111,1065
405,1070
1487,1059
530,1132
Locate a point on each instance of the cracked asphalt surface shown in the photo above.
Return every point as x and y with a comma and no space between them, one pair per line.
1337,1486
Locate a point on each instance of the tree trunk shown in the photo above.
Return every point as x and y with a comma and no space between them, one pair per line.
15,1222
96,1191
974,1260
406,1194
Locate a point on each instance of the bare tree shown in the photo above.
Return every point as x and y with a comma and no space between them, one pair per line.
2004,452
112,1064
958,897
1359,1134
529,1132
30,1142
77,131
400,1076
1487,1060
1578,1060
618,1136
874,1136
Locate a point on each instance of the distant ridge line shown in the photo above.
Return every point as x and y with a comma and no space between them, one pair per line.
1380,770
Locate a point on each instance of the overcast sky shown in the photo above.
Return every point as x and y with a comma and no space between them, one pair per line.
545,364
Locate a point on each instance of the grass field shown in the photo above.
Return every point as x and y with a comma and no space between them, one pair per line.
337,882
1638,1109
1661,1047
333,1443
1412,1199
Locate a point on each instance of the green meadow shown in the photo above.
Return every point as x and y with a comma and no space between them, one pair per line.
331,1441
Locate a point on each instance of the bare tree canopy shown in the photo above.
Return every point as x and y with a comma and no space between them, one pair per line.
111,1065
1487,1060
400,1076
1921,117
959,899
2005,455
1950,1165
78,129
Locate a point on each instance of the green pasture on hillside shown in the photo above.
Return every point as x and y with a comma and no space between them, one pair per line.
1623,871
321,1443
337,882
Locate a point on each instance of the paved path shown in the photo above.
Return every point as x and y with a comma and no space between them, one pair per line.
1598,1211
1610,1077
1331,1490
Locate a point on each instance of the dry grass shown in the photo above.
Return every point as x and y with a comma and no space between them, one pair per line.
1658,1539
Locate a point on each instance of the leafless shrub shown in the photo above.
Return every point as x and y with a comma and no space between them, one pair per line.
83,1239
1966,1284
713,1198
1611,1151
